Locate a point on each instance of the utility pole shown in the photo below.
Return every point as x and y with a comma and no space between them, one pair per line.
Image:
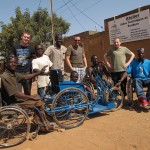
52,22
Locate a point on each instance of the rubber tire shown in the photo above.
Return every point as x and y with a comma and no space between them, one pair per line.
130,90
11,125
89,84
64,98
118,90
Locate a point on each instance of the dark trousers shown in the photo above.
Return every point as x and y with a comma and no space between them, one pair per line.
116,76
26,85
29,104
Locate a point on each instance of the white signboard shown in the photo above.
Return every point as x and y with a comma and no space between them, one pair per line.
130,28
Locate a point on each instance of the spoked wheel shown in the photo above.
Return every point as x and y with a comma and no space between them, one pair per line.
70,108
89,84
14,126
117,96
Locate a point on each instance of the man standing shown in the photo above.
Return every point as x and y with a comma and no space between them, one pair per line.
24,52
56,54
75,58
118,63
140,73
38,63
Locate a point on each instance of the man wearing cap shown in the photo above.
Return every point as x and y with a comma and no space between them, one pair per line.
140,72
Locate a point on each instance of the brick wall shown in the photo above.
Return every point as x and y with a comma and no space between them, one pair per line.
98,42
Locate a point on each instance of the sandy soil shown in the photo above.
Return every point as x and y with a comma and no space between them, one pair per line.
120,130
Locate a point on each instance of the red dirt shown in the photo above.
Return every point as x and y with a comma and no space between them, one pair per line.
120,130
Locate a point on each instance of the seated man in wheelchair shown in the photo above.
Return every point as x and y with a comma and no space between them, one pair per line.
11,94
101,69
140,73
74,78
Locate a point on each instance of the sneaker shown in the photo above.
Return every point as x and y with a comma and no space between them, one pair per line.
143,101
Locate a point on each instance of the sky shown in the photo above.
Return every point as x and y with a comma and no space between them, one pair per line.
83,15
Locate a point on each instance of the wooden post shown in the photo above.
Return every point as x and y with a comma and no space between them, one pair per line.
53,37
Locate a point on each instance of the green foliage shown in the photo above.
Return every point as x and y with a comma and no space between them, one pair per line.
38,25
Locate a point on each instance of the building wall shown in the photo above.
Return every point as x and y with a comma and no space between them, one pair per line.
133,46
98,42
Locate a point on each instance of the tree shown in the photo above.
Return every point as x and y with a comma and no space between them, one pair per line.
38,25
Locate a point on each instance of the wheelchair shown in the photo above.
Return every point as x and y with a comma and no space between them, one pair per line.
15,123
67,103
109,97
131,90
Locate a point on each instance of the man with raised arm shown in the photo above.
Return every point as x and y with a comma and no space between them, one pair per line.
11,94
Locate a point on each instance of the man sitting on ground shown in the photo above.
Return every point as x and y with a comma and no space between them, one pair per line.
140,72
11,94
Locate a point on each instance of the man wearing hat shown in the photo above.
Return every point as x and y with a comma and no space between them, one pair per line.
140,73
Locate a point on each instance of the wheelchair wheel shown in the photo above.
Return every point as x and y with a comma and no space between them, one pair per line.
14,126
117,96
130,90
89,84
70,108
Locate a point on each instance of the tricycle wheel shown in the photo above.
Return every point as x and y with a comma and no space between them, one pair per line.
117,96
70,108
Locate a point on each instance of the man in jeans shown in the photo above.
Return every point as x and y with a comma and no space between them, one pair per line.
11,94
140,73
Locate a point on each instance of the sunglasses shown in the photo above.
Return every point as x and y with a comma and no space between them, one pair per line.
77,40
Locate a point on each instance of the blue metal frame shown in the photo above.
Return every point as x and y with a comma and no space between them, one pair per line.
98,105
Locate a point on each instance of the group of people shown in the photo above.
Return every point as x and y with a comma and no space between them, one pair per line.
24,63
138,68
24,59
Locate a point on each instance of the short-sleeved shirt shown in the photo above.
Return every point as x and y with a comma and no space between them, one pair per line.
76,56
139,69
9,86
57,56
39,63
118,58
23,54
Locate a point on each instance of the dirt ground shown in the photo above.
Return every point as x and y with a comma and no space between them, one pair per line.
120,130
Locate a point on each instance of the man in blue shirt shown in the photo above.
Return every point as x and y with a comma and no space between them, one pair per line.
140,73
